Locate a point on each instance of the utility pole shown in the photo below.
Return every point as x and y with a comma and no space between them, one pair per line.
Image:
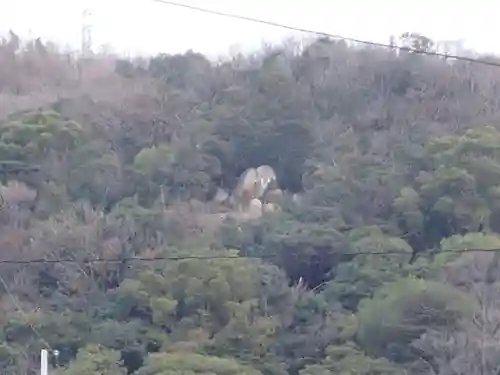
44,362
86,47
86,40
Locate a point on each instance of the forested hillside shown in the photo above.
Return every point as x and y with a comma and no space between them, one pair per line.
389,168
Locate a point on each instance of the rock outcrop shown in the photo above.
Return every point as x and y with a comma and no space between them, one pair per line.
256,192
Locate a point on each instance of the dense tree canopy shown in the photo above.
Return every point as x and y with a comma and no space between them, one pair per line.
387,173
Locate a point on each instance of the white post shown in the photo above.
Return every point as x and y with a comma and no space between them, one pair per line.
44,362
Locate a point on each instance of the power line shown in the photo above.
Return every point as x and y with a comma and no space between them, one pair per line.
325,34
14,166
222,257
23,313
179,258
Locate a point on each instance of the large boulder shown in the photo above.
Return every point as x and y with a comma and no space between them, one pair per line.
273,196
269,207
266,179
255,209
246,189
221,196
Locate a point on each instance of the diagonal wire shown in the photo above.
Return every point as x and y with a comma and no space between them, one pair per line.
325,34
23,313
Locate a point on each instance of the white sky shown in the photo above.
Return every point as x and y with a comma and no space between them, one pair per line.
142,26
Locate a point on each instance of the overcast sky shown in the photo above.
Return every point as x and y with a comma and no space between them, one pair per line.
142,26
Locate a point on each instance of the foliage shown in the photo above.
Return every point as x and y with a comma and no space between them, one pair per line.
388,167
179,363
402,311
95,360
